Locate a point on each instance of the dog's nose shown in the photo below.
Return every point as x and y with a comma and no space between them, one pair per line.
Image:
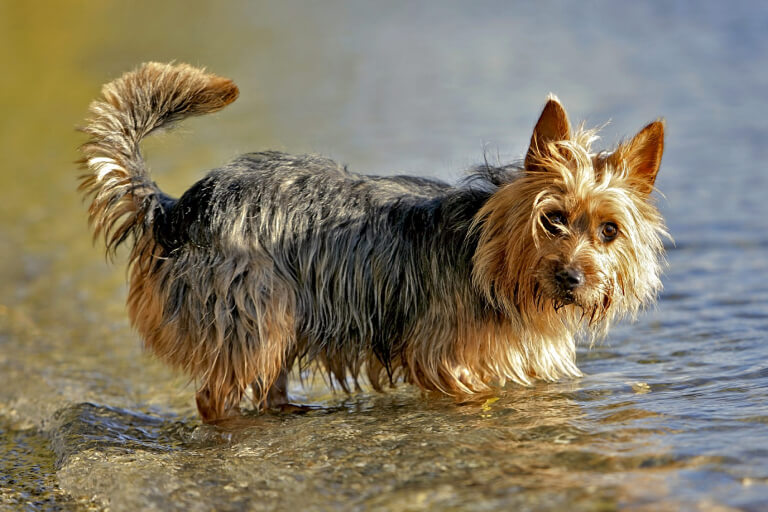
570,278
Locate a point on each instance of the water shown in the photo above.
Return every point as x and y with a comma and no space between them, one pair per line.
672,414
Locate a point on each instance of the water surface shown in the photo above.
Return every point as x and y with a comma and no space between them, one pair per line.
672,413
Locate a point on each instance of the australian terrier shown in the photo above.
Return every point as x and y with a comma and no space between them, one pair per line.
277,259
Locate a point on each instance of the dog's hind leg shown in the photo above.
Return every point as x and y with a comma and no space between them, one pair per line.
217,402
276,396
264,369
250,345
278,393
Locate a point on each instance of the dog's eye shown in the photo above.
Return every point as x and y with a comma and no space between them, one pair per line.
554,221
609,231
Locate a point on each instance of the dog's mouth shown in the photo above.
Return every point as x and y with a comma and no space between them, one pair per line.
562,296
582,299
591,313
569,291
550,293
562,300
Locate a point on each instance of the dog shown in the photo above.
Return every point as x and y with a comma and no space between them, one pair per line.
276,260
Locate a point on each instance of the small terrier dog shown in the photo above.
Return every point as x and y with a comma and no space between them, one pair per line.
276,259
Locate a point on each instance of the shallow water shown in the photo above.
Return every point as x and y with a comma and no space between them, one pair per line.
672,414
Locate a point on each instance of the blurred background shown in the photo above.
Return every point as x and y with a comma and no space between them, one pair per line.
673,411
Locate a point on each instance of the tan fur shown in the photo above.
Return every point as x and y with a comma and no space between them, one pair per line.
516,257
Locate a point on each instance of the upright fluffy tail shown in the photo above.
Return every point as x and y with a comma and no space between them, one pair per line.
125,202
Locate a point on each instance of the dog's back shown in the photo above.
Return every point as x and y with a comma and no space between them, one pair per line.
272,258
294,255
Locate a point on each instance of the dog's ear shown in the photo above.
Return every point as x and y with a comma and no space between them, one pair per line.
552,126
641,156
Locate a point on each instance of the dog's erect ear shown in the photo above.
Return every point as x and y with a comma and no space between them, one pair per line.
552,126
642,156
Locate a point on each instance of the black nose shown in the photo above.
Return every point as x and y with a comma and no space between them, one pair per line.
570,278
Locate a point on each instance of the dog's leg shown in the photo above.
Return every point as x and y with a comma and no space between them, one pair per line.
217,404
276,397
278,392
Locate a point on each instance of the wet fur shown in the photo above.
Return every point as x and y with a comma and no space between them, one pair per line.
277,259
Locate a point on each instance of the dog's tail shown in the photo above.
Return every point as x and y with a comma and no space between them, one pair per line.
125,202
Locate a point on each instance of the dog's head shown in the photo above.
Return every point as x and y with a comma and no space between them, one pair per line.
575,234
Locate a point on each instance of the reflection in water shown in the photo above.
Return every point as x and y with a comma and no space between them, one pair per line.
374,451
673,411
370,450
